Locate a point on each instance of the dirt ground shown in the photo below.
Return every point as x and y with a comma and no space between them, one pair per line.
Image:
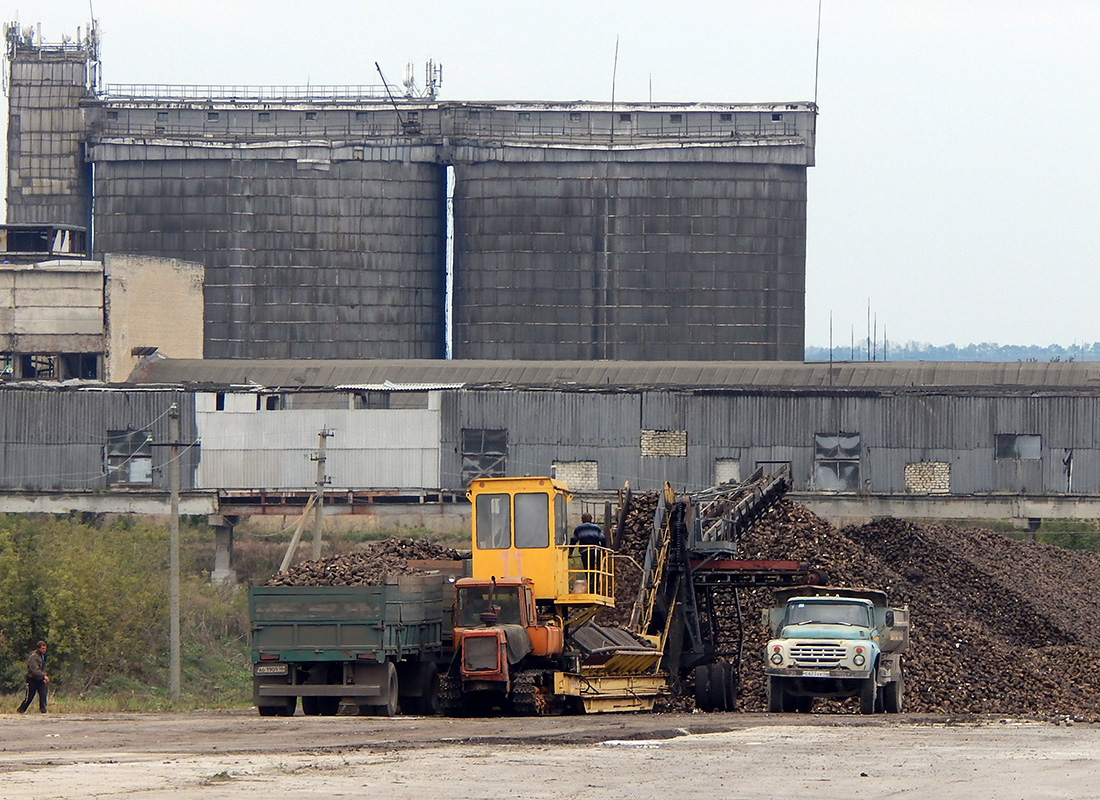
636,756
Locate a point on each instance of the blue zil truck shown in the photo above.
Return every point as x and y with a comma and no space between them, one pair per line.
834,642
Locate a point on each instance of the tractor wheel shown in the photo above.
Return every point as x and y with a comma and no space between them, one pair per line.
702,688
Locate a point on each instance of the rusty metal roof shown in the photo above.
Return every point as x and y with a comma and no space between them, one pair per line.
691,375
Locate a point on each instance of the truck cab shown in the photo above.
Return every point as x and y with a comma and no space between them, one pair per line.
834,642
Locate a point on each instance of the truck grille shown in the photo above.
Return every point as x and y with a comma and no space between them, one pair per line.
817,655
481,653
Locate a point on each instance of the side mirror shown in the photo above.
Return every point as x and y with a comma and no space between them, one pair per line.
889,618
765,618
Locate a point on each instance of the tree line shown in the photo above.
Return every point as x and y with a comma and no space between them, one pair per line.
984,351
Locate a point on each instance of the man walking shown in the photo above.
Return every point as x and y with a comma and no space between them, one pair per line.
37,679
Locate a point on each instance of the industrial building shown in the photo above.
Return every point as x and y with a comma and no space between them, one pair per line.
332,222
1015,440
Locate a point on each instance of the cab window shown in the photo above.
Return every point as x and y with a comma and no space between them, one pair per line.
561,519
475,600
532,519
494,521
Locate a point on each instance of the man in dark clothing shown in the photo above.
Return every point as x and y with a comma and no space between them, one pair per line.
37,679
588,533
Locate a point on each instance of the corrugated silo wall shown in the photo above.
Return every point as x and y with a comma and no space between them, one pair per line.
895,430
48,181
315,253
55,439
661,258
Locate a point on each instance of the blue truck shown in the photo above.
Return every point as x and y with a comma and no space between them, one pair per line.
829,641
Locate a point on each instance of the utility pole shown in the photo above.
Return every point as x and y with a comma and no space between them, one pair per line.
174,552
322,481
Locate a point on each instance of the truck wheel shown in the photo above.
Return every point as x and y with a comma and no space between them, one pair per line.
327,706
283,709
702,688
804,705
427,702
310,706
389,705
893,695
777,695
868,696
723,687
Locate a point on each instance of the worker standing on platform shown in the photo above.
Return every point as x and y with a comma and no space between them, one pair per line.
586,534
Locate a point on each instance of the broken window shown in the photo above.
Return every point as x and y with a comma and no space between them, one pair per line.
484,454
1019,446
836,462
129,457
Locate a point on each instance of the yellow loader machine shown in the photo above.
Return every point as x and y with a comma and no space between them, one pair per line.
524,636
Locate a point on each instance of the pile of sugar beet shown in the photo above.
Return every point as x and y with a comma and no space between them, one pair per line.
998,626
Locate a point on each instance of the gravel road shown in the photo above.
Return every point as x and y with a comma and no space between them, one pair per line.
240,755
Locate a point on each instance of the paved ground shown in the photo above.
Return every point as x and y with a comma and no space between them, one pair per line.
642,756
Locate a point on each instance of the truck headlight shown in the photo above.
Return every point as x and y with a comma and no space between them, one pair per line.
859,660
777,658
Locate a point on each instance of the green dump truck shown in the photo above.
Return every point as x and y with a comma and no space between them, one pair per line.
374,647
835,642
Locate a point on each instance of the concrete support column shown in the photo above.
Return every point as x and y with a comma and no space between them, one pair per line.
223,572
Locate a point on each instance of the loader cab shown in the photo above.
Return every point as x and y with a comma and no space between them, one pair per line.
521,530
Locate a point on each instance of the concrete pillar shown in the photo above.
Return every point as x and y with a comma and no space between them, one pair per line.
223,572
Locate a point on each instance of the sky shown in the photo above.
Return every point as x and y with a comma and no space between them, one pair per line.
956,189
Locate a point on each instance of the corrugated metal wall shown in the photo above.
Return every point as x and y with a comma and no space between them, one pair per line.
55,439
245,448
894,430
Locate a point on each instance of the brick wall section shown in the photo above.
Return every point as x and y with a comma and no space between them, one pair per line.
664,443
580,476
928,477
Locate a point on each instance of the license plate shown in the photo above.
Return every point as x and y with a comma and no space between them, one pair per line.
814,674
270,669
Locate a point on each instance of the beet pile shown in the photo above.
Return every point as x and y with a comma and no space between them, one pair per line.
366,566
997,625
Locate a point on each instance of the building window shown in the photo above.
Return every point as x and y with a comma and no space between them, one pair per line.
725,118
162,116
676,119
269,402
777,117
1019,446
129,456
219,401
264,116
112,115
625,117
361,115
524,116
311,115
664,443
213,116
580,476
484,454
836,462
473,113
574,116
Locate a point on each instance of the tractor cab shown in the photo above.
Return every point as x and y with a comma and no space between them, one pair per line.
521,531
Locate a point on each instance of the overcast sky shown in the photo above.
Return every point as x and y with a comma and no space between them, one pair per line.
957,186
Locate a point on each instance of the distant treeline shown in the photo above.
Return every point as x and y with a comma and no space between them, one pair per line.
986,351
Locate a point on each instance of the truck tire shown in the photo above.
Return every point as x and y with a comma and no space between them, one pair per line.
702,688
804,705
723,687
893,695
310,706
285,708
777,694
388,706
427,702
868,695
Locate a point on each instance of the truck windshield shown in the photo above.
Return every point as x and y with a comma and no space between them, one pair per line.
804,613
474,600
